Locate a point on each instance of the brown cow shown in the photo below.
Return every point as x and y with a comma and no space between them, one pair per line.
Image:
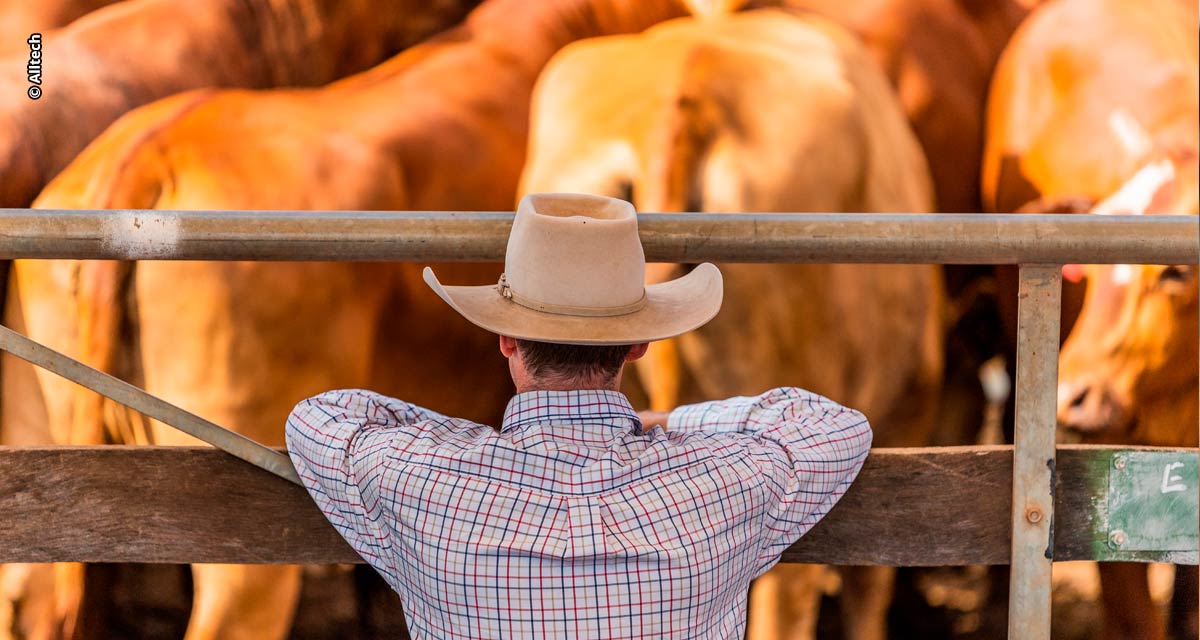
130,53
441,126
1087,94
762,111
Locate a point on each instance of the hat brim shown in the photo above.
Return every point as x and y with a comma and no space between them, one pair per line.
672,308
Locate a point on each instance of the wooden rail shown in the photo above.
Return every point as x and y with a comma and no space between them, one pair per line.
910,507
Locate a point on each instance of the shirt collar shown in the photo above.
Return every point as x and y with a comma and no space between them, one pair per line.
597,407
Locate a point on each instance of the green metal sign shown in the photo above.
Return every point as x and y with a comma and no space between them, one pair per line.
1154,501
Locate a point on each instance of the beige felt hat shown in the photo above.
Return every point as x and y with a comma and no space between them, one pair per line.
574,273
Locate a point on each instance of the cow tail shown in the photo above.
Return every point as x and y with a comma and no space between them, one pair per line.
675,182
101,295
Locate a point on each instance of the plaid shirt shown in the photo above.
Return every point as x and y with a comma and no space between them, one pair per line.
570,522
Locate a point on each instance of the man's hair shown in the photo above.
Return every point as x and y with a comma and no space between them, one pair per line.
572,361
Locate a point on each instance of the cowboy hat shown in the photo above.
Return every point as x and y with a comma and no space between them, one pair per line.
574,273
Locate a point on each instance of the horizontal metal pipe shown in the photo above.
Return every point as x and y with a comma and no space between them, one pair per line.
738,237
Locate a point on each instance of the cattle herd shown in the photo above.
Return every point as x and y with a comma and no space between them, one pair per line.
1087,106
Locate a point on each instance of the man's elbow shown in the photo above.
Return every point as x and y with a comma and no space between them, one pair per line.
300,422
292,427
861,435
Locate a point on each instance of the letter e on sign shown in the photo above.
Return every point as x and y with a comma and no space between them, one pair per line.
1171,482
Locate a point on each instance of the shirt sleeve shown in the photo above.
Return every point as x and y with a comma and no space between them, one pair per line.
340,443
807,448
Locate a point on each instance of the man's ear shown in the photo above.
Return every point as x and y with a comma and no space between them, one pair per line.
508,346
637,351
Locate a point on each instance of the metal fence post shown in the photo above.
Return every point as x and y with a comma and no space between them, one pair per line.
1038,318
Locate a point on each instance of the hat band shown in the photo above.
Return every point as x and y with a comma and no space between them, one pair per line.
567,310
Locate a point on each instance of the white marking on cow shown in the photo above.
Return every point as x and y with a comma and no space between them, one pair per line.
1134,197
1122,274
1172,483
1130,133
140,234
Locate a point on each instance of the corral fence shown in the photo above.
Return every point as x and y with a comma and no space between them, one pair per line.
1029,505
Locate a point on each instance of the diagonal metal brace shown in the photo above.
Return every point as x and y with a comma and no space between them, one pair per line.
232,443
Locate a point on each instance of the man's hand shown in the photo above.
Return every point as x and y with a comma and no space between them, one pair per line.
652,419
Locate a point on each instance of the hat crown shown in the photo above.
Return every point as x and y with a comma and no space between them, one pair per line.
573,250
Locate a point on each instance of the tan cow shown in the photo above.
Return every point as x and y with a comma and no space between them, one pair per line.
441,126
130,53
762,111
939,56
1087,94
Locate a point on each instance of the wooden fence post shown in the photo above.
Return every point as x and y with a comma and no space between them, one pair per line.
1039,308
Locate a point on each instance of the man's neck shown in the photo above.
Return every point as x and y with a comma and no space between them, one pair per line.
572,384
569,386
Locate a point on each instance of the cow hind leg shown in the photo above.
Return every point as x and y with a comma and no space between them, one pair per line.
26,590
1185,608
68,596
243,602
1129,611
784,603
27,602
866,595
40,601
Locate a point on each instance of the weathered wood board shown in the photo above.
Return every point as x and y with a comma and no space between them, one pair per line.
909,507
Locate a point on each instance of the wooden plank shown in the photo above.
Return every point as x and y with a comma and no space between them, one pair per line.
919,507
938,506
155,504
1083,513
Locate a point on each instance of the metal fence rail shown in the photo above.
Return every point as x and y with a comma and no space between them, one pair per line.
737,237
1039,243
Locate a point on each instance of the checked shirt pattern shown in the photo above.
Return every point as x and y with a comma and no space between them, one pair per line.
570,522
